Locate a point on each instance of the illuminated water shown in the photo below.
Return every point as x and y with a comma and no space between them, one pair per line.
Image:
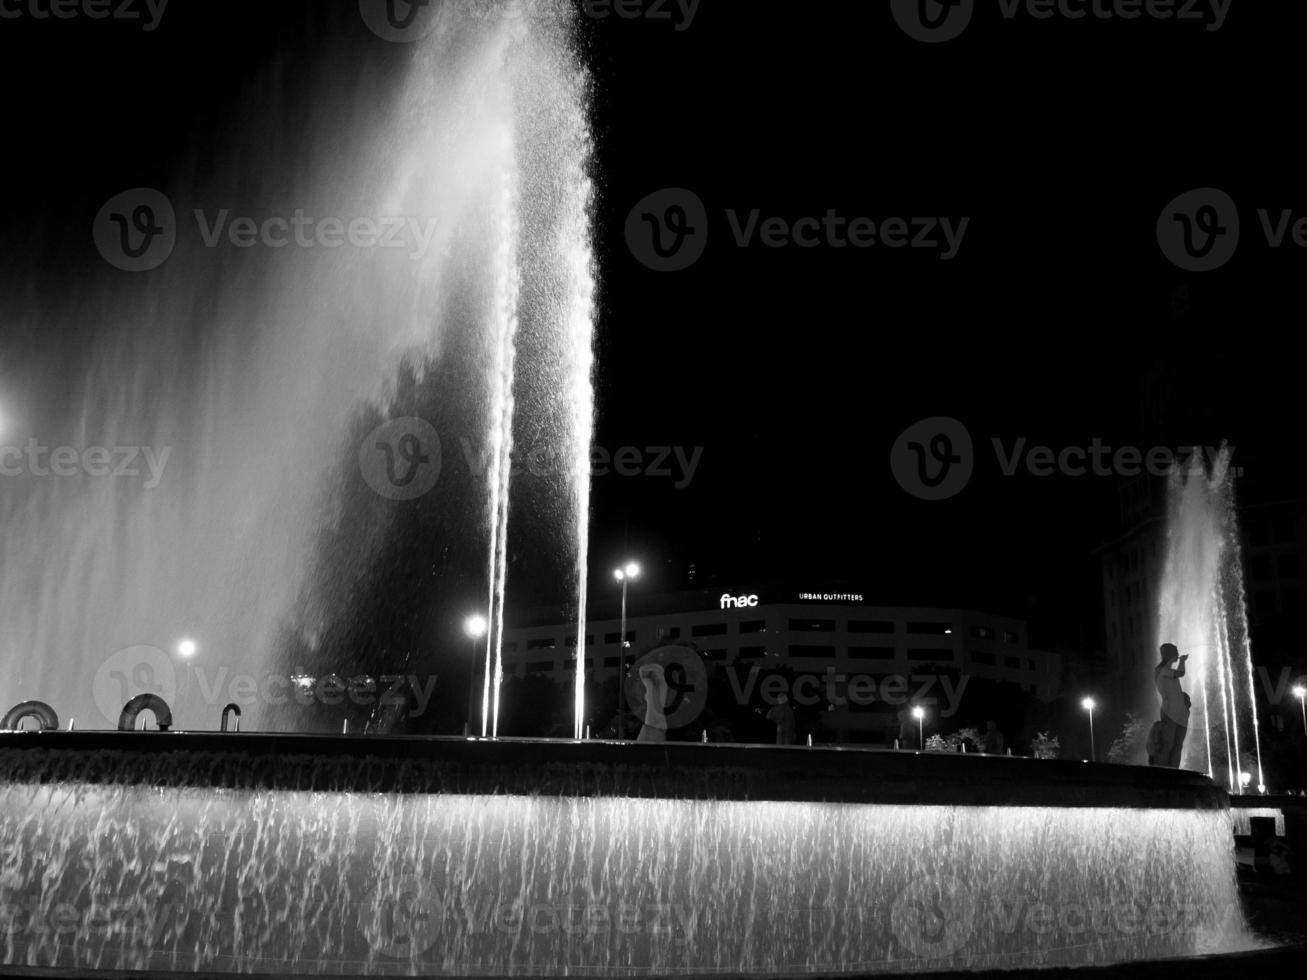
262,370
1203,611
121,875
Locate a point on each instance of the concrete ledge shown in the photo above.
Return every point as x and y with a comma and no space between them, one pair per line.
671,770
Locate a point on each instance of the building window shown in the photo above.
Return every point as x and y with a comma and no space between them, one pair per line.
1030,664
1012,663
812,625
1262,566
1288,566
669,632
718,655
708,629
752,653
983,659
805,650
612,638
612,661
870,626
871,653
1011,636
542,643
540,667
510,646
753,626
571,641
919,654
930,629
987,632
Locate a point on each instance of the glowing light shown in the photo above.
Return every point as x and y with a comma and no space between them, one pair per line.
475,626
187,648
918,712
1088,704
1300,692
632,570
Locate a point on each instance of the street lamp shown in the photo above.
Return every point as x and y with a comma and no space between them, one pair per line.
629,571
919,713
187,648
1089,705
1300,693
475,628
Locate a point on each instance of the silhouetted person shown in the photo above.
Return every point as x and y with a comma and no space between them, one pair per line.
907,727
1166,739
655,696
991,743
783,715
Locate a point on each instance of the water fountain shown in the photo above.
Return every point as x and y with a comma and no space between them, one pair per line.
281,854
1203,610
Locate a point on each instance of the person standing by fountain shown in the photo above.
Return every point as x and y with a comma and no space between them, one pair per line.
1167,739
783,715
654,728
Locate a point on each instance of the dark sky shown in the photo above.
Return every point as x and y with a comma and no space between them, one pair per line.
795,370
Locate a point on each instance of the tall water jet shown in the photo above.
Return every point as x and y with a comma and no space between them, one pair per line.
1202,609
260,371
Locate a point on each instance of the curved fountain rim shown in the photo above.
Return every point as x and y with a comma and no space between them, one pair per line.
593,768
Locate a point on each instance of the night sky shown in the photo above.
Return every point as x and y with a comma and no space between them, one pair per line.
1059,320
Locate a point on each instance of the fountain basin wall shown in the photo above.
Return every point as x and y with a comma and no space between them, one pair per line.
288,854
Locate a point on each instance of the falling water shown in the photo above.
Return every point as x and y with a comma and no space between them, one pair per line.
113,874
1203,611
252,367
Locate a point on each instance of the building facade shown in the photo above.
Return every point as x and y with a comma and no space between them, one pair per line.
810,632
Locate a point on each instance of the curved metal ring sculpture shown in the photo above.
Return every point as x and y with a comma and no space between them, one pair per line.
143,702
39,710
232,708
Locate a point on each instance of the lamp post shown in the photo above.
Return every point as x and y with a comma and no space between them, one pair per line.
1089,705
919,713
475,628
1300,693
629,571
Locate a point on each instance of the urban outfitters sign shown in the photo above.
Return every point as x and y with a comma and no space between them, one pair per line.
831,597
